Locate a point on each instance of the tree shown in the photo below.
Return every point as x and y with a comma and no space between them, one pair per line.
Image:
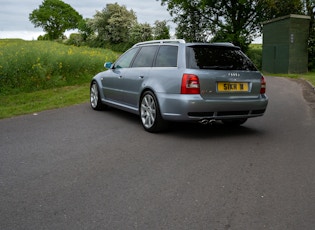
113,23
85,29
161,30
190,17
236,21
309,7
140,33
191,27
55,17
277,8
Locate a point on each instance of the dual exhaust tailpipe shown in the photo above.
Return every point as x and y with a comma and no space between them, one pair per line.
207,121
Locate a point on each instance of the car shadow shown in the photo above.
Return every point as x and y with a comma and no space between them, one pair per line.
217,129
190,129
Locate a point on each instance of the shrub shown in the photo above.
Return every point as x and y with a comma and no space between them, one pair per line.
255,54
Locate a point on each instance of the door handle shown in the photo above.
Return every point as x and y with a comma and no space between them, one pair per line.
141,77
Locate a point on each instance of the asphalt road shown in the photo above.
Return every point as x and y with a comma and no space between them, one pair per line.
75,168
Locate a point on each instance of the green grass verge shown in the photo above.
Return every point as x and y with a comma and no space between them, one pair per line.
27,103
310,77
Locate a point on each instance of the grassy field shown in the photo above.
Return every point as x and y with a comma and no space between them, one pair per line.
29,66
42,75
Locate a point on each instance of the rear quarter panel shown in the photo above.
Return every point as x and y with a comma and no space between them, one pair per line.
164,80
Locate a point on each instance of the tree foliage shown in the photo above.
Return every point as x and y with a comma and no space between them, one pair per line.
161,30
140,32
277,8
85,29
237,21
192,25
114,23
55,17
309,7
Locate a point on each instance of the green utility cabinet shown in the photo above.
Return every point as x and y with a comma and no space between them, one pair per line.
285,42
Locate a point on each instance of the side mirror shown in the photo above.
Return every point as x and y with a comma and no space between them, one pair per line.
108,65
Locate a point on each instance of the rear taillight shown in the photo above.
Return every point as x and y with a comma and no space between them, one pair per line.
190,84
262,85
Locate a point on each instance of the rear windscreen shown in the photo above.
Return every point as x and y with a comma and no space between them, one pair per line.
217,57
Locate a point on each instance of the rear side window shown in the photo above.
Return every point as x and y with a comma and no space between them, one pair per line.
217,57
145,57
167,56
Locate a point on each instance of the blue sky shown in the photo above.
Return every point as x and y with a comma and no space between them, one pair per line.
14,22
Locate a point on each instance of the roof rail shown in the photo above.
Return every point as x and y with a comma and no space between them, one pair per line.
161,42
223,43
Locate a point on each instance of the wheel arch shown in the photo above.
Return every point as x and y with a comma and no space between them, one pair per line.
159,123
100,104
100,86
144,90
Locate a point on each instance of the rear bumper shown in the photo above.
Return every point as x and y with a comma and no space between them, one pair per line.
194,107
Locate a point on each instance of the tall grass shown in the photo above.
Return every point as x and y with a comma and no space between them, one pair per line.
28,66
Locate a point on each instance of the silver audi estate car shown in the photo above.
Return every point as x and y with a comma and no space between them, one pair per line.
171,80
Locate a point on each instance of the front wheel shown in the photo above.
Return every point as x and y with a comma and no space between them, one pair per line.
95,99
151,118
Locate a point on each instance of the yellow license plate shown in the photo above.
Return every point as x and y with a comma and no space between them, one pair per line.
232,87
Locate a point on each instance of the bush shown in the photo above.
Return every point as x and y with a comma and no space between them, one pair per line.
118,47
255,54
311,54
74,39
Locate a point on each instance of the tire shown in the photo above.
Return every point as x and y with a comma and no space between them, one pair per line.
234,122
95,99
150,115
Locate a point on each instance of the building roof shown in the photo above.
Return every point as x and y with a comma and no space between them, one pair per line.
286,17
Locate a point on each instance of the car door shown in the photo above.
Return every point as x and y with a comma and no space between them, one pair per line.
134,77
113,82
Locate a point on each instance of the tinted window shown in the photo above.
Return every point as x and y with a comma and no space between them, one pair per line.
217,57
167,56
145,57
125,60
